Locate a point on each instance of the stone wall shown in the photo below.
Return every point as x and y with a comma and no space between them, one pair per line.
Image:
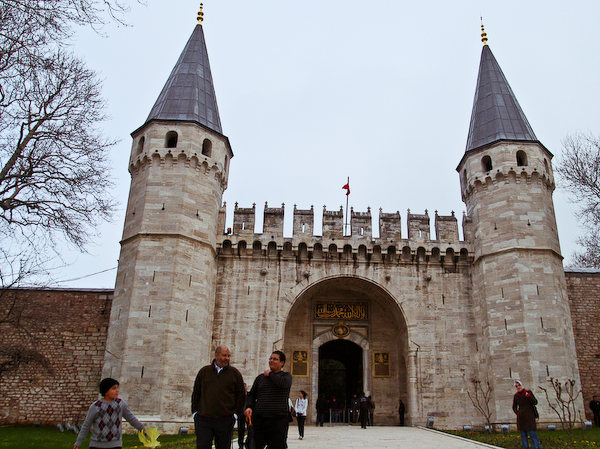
69,327
583,289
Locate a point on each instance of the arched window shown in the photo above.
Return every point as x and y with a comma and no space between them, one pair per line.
171,140
302,251
207,147
287,249
521,158
486,163
140,146
318,251
347,252
333,251
227,247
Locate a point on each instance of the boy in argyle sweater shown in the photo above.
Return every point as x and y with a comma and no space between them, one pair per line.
105,416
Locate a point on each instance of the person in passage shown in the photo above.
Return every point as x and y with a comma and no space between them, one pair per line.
595,408
371,409
523,403
267,404
217,400
355,407
104,418
333,408
301,408
401,411
364,410
321,410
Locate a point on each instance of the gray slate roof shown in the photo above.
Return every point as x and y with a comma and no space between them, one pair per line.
189,94
496,112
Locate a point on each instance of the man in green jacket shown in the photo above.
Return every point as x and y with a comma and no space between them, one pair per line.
217,400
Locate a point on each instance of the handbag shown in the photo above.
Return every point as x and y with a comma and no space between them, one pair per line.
535,412
250,438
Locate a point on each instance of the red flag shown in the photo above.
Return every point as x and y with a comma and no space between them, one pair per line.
347,187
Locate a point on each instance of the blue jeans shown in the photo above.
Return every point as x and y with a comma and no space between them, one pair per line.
534,439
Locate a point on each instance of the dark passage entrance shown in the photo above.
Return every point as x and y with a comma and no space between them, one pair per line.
340,371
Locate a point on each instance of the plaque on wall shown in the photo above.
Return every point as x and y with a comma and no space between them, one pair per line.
341,311
381,364
340,330
299,363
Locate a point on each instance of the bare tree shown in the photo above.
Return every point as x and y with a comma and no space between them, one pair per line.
579,175
54,166
563,402
481,398
54,158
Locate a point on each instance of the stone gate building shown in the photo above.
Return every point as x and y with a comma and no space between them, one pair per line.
406,315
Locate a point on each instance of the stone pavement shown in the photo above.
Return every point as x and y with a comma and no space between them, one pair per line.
353,437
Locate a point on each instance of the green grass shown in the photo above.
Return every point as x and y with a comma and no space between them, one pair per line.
558,439
51,438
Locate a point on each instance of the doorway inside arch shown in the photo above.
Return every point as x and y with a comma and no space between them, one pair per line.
340,371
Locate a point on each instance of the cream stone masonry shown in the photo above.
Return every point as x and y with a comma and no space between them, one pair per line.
407,315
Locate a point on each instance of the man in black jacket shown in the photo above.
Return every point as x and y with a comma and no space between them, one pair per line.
218,397
267,404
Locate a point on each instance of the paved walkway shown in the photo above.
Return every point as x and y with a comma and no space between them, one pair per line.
353,437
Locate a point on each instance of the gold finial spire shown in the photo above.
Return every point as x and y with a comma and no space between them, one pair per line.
484,38
200,14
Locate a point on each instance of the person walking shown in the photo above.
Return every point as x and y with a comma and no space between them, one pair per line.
524,403
104,418
364,410
321,410
301,408
267,404
595,407
217,400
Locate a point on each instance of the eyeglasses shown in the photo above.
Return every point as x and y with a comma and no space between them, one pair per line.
274,358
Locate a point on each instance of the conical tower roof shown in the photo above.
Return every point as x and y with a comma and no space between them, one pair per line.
189,94
496,112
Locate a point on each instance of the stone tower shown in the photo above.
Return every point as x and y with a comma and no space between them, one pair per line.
162,316
521,307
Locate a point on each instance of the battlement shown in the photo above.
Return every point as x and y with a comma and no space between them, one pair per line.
505,163
243,240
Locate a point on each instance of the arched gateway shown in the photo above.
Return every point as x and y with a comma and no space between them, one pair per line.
345,335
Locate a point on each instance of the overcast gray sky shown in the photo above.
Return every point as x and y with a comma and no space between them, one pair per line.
313,92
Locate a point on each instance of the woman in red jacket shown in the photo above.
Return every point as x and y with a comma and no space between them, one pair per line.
523,403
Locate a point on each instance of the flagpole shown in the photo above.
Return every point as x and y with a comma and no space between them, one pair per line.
346,225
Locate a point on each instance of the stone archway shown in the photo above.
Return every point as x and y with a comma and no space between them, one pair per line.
363,314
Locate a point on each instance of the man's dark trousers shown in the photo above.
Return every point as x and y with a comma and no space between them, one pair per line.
271,431
241,421
221,429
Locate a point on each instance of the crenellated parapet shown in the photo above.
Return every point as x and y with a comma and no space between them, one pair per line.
506,163
174,145
273,220
524,176
303,221
359,246
418,226
333,223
